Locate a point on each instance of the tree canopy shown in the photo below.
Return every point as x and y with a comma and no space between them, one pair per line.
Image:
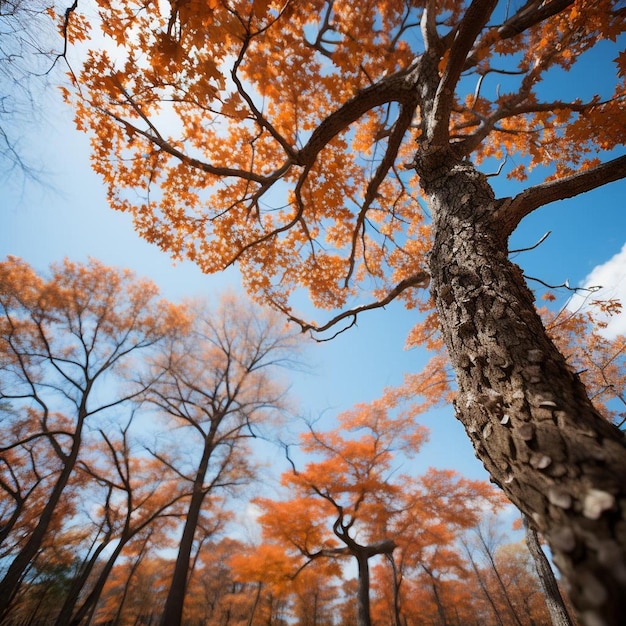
282,134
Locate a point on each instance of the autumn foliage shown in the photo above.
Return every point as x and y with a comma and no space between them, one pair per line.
350,505
599,359
269,98
83,353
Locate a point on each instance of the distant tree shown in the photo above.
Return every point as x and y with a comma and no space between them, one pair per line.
557,608
503,577
219,388
117,590
62,340
214,595
140,498
135,591
350,504
315,597
42,595
433,519
28,49
487,537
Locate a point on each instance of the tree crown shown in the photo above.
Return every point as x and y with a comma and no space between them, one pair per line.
281,135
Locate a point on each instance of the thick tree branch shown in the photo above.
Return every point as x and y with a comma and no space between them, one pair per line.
399,87
470,27
513,210
530,14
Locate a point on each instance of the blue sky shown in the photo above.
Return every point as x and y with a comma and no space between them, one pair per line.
66,214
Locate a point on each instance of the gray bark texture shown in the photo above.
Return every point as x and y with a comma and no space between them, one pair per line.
527,414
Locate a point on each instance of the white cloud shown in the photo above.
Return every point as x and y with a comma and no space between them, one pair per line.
611,276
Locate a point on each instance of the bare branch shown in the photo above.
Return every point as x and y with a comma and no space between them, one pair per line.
564,285
395,141
535,245
420,279
167,147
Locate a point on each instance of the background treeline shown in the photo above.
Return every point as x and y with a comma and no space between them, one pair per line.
133,437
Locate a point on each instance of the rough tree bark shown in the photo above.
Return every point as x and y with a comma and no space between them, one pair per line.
526,413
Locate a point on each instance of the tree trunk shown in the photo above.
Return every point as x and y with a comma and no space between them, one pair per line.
363,594
13,577
554,601
173,611
92,599
78,583
528,416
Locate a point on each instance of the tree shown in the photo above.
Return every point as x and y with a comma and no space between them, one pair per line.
307,136
428,533
62,340
487,539
116,594
141,584
266,571
220,385
29,468
213,590
140,499
27,60
502,575
348,504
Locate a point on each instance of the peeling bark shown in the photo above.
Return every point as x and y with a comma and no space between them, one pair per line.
526,413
